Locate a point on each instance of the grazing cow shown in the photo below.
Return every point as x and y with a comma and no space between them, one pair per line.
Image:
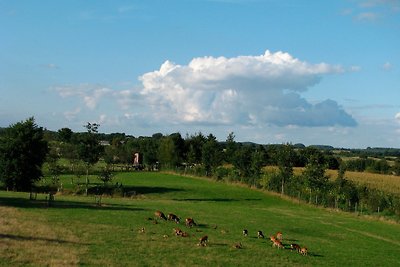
279,236
160,215
203,241
190,222
245,232
184,234
142,230
295,247
173,217
277,243
237,245
177,231
272,238
304,251
260,234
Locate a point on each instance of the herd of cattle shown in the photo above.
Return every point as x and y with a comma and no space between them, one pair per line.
189,222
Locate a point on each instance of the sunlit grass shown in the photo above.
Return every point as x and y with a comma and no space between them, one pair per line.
109,235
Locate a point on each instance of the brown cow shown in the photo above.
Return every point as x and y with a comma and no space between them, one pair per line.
304,251
279,236
295,247
173,217
160,215
277,243
237,245
203,241
177,231
190,222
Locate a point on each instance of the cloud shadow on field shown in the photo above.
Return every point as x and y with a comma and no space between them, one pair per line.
151,189
31,238
217,199
63,204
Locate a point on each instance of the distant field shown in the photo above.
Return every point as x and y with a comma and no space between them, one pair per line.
74,231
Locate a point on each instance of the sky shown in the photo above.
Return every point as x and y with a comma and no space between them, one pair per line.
270,71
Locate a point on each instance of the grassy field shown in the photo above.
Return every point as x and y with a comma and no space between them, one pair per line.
74,231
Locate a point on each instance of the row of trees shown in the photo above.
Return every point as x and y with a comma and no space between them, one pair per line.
373,165
24,147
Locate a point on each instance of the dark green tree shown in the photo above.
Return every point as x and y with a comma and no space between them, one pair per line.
22,154
211,154
89,148
54,168
65,135
168,155
257,161
242,160
230,148
314,173
194,146
286,156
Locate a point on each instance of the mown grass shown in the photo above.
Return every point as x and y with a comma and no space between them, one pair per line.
75,231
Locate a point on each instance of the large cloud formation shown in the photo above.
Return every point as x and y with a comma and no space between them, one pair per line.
244,90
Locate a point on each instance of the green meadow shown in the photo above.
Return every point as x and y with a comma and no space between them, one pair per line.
75,231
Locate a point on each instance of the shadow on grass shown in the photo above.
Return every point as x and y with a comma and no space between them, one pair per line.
311,254
62,204
127,190
31,238
216,199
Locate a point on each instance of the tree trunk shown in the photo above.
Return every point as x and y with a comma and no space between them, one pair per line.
87,180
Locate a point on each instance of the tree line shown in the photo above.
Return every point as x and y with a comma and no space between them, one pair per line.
25,147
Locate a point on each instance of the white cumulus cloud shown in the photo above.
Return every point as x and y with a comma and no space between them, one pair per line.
244,90
90,94
397,117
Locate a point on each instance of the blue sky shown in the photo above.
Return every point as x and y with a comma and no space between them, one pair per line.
272,71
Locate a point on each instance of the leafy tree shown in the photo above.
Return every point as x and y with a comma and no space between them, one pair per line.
52,160
167,152
257,161
194,146
242,160
344,190
105,175
65,135
286,157
231,147
89,148
211,155
149,146
396,167
22,153
111,155
314,172
69,151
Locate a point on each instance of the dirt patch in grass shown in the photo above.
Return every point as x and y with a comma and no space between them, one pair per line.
28,239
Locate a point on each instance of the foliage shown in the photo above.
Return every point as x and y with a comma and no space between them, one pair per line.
105,175
89,148
285,159
211,155
22,153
